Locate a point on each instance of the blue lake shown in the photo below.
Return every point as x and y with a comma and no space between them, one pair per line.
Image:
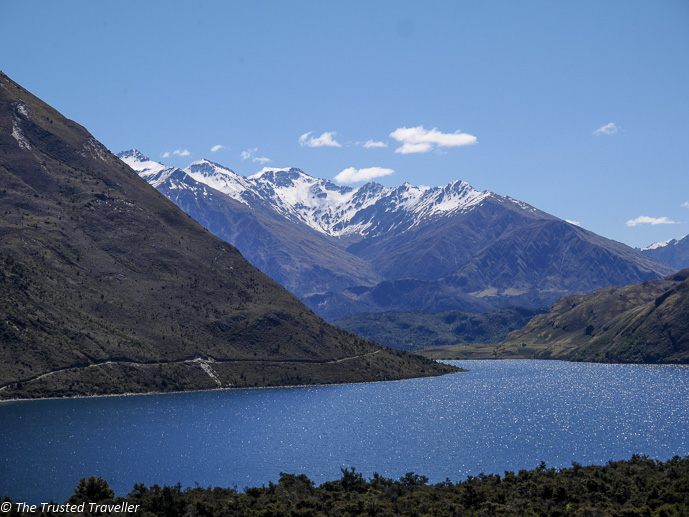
502,415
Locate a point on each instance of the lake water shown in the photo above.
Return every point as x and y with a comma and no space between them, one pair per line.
502,415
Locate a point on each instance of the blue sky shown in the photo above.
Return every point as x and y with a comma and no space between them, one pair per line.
579,108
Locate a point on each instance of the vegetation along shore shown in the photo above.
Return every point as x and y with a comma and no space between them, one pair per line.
638,486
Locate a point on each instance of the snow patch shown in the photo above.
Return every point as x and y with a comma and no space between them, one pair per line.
266,170
657,245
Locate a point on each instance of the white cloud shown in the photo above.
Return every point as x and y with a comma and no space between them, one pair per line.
575,223
686,205
607,129
327,139
166,154
644,219
181,152
247,154
420,140
409,148
372,144
216,148
352,175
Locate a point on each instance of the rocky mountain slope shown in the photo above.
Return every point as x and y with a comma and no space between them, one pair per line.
673,253
346,251
639,323
290,252
107,287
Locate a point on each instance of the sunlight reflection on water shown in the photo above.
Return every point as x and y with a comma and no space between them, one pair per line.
501,415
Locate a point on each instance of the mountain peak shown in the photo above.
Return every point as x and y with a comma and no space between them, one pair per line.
218,177
674,252
202,161
442,247
657,245
133,154
335,210
371,186
205,166
142,164
276,173
459,185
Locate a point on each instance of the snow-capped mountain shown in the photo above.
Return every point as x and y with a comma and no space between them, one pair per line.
363,212
334,210
658,245
194,178
674,253
144,166
220,178
346,250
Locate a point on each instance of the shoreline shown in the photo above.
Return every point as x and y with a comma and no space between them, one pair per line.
130,394
177,392
209,390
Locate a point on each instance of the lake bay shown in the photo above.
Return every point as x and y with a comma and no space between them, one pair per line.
501,415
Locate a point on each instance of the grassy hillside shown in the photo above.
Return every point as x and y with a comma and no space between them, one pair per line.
638,323
107,287
647,322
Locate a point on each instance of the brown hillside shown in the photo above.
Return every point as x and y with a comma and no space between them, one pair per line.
646,322
107,287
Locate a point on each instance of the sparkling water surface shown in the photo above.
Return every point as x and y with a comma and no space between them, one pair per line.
502,415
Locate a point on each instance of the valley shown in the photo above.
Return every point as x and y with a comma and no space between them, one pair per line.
447,269
638,323
327,259
346,251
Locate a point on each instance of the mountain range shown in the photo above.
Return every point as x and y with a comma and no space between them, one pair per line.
107,287
347,251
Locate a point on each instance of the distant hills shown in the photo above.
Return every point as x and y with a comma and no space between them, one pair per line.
348,251
107,287
639,323
673,253
419,329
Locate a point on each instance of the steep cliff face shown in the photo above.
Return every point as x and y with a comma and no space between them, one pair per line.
107,287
